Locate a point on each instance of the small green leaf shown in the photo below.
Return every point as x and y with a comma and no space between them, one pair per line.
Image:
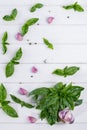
19,101
4,42
9,70
3,93
18,55
9,111
78,7
31,21
27,24
67,71
24,29
74,6
12,16
5,37
50,45
36,6
14,13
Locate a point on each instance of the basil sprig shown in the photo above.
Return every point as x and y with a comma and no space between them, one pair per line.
4,42
12,16
19,101
67,71
49,45
27,24
74,6
36,6
9,70
54,99
10,111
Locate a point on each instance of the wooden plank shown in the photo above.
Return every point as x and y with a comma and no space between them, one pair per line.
61,53
23,73
46,2
61,15
56,34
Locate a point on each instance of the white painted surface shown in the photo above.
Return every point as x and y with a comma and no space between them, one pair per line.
69,36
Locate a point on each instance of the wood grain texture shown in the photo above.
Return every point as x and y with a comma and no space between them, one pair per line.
68,33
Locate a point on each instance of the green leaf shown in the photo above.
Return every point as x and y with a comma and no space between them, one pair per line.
59,72
19,101
74,6
40,91
36,6
78,7
18,55
24,29
70,70
14,13
4,42
67,71
3,93
9,111
5,37
48,43
12,16
27,24
9,70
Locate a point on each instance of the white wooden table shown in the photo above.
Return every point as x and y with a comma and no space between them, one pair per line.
69,36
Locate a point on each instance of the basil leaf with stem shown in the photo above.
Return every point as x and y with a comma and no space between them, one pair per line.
19,101
10,111
4,42
12,16
36,6
4,103
74,6
3,93
27,24
67,71
9,70
50,45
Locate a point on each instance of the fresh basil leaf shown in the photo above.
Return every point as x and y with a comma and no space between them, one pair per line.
4,42
27,24
36,6
32,21
24,29
19,101
48,43
5,37
9,111
78,7
3,93
59,72
12,16
67,71
14,13
18,55
25,104
74,6
9,70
